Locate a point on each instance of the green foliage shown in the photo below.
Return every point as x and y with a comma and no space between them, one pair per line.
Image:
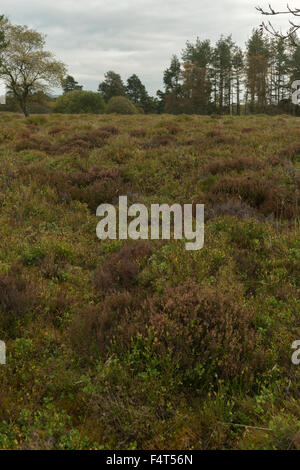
78,101
137,93
136,345
121,105
210,79
26,66
112,86
70,84
2,35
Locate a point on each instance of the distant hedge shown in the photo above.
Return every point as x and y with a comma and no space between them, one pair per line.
78,102
121,105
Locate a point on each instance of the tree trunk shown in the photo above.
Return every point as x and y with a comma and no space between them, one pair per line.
23,104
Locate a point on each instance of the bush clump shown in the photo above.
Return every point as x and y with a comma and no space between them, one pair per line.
121,105
120,269
197,327
17,297
80,102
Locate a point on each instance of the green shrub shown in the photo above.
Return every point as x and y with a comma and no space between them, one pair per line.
121,105
80,102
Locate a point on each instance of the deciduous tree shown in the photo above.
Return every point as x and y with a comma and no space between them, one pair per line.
25,65
292,13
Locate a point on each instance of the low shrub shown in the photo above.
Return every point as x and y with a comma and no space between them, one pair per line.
252,190
96,187
84,143
231,207
161,141
34,143
138,133
120,105
57,130
205,332
203,328
259,193
17,298
223,165
113,130
80,101
120,269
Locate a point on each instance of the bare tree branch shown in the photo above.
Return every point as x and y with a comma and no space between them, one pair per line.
290,34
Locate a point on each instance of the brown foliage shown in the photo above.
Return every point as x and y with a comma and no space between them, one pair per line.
201,326
247,130
290,152
96,187
34,143
217,137
250,189
17,297
93,187
225,139
94,327
161,141
120,269
57,130
196,326
81,144
223,165
231,207
214,133
84,178
138,133
110,129
84,143
33,127
174,129
259,193
46,176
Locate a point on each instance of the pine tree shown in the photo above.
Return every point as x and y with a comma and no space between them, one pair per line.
222,73
69,84
196,89
197,76
238,65
258,55
137,93
279,70
173,87
112,86
199,53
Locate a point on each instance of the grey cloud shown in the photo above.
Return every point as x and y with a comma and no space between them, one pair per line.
136,36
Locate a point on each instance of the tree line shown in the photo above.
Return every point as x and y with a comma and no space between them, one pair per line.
222,78
228,80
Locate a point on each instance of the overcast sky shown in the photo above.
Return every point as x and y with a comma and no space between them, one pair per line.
132,36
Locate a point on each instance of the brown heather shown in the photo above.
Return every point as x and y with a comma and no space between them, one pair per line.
138,133
142,345
226,165
195,326
17,298
120,269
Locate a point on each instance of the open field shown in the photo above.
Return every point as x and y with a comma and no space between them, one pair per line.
143,345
